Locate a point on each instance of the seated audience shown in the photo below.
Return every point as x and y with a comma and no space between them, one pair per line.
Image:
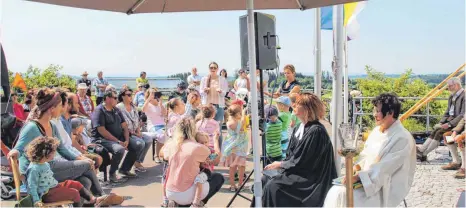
18,108
386,164
458,135
111,131
29,103
86,106
77,129
451,118
43,187
131,117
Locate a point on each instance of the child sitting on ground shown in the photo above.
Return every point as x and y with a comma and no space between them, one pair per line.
273,134
284,104
42,186
77,128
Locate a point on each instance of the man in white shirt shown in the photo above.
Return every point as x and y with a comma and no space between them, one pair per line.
194,79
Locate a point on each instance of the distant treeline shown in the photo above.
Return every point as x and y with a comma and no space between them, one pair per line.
307,81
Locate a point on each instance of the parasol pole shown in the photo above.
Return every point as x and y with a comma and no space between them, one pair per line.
254,105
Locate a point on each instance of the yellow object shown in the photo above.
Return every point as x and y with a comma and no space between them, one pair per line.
19,82
246,123
365,135
432,94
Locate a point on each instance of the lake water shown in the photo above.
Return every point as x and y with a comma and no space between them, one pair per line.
160,83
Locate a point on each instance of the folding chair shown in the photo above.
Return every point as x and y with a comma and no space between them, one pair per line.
17,180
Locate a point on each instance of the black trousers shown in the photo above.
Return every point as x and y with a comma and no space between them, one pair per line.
216,181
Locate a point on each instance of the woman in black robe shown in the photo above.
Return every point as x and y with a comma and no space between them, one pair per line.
305,176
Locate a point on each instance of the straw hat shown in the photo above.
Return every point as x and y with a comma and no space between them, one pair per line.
85,74
82,86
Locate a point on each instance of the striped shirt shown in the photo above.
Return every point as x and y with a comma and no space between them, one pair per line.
273,138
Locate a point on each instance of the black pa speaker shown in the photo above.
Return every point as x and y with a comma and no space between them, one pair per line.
266,49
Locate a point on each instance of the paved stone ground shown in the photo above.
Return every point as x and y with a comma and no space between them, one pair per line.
432,186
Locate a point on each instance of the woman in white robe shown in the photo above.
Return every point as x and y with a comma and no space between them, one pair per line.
387,162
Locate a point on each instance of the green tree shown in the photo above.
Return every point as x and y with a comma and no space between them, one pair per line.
403,86
50,76
182,76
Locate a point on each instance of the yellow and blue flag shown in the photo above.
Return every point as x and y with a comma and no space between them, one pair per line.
351,10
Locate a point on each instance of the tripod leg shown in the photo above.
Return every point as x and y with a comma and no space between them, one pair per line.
239,190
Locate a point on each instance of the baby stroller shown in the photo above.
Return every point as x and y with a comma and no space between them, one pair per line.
7,180
8,187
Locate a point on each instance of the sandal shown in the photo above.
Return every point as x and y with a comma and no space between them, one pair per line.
232,189
100,201
198,205
158,160
140,169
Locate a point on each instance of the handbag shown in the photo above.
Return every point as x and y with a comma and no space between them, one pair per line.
25,202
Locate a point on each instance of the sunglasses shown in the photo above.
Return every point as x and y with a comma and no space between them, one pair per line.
213,67
128,94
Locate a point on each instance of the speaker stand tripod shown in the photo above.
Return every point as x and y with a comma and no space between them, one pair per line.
264,158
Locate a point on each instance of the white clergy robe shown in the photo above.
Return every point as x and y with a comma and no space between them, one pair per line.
388,162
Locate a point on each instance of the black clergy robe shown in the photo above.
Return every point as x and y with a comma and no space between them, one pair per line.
307,172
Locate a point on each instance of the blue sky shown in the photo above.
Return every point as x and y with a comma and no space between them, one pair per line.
425,35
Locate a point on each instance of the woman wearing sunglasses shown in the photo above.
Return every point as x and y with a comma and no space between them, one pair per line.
131,116
213,91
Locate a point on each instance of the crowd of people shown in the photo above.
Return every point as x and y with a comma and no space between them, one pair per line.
67,140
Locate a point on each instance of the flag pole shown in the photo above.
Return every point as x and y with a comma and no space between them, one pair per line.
345,79
337,81
317,56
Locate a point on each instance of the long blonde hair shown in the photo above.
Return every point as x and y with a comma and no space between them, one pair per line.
185,129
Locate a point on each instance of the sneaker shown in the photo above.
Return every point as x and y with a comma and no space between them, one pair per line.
127,174
460,174
451,166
